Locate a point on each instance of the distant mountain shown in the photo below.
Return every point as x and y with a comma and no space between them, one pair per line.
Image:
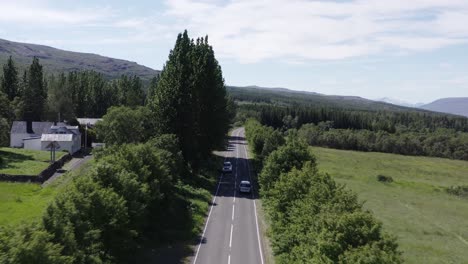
455,105
56,60
398,102
283,96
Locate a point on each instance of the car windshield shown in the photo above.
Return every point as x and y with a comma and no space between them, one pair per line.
245,184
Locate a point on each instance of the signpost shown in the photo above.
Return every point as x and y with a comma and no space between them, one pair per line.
53,146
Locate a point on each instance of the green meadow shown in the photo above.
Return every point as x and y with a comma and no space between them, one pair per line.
26,202
431,225
24,161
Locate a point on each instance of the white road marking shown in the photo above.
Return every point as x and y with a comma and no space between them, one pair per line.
233,207
229,259
255,207
230,237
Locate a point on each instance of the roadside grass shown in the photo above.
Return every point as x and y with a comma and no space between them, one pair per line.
24,161
430,224
26,202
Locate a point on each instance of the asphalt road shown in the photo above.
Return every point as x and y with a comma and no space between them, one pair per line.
231,234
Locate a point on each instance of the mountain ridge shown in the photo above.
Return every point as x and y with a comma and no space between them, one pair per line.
57,60
450,105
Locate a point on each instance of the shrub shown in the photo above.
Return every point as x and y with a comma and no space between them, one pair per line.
383,178
460,191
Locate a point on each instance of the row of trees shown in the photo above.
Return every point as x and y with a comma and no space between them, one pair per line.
390,121
445,143
313,219
37,97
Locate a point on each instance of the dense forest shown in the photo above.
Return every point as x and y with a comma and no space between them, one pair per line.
313,219
140,187
409,133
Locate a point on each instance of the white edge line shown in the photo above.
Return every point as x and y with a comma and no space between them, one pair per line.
255,206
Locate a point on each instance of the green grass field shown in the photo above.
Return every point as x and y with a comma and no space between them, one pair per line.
25,162
25,202
431,225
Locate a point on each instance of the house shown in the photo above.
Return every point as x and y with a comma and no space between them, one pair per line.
90,122
39,135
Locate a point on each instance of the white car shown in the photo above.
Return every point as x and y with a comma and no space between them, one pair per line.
245,187
227,167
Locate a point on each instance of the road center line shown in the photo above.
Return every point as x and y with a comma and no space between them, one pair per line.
233,207
230,237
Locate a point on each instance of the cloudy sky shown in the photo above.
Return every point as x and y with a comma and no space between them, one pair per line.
409,50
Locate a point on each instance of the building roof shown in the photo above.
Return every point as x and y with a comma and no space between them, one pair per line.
57,137
20,127
88,121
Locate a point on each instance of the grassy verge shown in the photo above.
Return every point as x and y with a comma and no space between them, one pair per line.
24,161
431,225
26,202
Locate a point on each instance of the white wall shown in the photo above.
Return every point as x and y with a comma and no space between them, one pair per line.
64,145
34,144
16,140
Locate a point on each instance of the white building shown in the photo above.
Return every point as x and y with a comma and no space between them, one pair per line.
39,135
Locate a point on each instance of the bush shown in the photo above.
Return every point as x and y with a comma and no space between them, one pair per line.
460,191
383,178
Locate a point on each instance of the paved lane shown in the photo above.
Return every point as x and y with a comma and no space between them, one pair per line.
231,233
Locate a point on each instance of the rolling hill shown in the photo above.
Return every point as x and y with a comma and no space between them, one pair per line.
56,60
286,97
455,105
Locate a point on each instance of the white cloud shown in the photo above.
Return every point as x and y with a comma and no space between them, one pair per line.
38,13
256,30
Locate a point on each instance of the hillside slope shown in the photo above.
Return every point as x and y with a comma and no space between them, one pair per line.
282,96
455,105
56,60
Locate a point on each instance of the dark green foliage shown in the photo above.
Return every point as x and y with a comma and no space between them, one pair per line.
190,99
262,139
9,82
30,244
460,191
314,220
292,155
59,99
35,93
446,143
124,125
88,219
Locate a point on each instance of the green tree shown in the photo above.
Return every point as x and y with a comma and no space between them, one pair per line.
59,100
35,93
292,155
124,125
211,111
9,82
172,103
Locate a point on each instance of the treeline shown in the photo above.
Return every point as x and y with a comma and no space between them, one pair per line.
444,143
390,121
313,219
34,96
142,185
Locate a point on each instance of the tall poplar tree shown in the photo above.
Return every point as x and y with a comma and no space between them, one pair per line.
172,101
10,84
190,99
35,93
210,93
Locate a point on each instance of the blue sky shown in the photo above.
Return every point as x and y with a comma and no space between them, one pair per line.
409,50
